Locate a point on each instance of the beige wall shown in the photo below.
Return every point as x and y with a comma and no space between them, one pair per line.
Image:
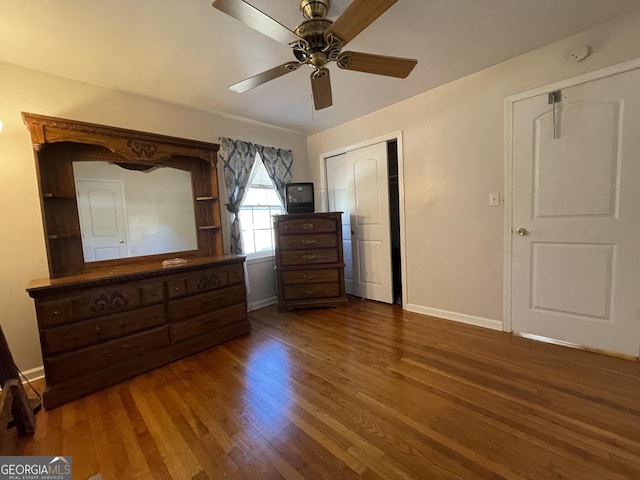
453,140
21,243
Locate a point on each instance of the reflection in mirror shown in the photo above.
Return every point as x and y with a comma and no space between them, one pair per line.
124,212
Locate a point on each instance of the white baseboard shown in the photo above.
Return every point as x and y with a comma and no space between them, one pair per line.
34,373
265,302
456,317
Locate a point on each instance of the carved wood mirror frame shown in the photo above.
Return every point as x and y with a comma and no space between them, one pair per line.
57,142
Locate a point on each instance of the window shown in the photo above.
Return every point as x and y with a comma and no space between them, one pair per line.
258,206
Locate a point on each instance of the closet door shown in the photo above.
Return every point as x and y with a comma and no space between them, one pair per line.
357,184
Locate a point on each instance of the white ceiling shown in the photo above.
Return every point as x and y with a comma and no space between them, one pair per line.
186,52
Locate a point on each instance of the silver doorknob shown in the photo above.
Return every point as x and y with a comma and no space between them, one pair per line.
121,241
521,231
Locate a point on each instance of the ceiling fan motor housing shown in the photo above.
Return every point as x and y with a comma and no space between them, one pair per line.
316,49
314,8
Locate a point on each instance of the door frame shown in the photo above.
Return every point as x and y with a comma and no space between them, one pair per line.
507,324
397,136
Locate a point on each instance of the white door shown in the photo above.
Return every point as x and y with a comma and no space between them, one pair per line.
357,183
102,219
576,263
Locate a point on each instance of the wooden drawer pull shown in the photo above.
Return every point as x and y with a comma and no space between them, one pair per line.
211,302
308,242
307,226
310,277
100,331
311,292
309,257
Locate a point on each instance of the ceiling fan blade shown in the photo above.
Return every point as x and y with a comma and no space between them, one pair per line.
264,77
358,16
256,19
379,64
321,88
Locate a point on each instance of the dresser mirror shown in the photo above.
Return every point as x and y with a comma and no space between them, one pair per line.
166,190
132,210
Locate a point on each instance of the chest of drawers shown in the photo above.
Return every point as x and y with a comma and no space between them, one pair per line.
98,329
309,260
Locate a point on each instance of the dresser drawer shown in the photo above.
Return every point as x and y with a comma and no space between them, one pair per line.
324,275
302,242
104,301
196,282
91,359
152,293
90,332
188,307
235,274
55,312
309,257
306,225
205,280
177,287
203,324
311,291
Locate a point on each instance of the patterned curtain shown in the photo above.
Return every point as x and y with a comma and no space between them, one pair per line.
278,163
237,159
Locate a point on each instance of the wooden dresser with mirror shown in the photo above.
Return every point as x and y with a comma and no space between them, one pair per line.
110,309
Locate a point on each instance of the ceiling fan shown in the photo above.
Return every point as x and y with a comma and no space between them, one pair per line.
317,41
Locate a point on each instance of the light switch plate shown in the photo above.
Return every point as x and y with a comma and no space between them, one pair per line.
494,199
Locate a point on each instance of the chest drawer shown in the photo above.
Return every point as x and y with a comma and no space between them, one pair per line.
92,359
311,291
309,257
188,307
303,242
320,275
90,332
207,323
307,225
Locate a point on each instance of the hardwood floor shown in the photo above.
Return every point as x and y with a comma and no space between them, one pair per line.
365,391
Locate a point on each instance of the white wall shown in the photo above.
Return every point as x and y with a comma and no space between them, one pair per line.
22,241
453,140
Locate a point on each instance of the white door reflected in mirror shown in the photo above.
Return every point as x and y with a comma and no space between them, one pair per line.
129,213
